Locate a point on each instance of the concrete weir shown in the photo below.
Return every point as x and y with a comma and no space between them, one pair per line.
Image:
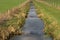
33,27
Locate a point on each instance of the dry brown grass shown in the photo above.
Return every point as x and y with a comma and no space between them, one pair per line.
8,19
51,24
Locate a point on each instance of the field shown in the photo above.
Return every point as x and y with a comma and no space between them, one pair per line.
53,2
51,17
8,4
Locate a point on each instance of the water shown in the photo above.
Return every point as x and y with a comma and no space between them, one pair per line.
33,28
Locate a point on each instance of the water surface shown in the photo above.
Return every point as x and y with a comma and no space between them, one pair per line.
33,28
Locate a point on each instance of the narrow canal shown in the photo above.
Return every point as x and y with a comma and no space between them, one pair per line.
33,28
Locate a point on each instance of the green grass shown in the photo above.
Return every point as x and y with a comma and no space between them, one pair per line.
8,4
55,2
55,16
50,11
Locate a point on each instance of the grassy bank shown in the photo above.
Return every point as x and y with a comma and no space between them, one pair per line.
12,21
8,4
51,18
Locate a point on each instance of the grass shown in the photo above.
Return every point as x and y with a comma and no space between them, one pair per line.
51,17
50,11
12,21
8,4
55,2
